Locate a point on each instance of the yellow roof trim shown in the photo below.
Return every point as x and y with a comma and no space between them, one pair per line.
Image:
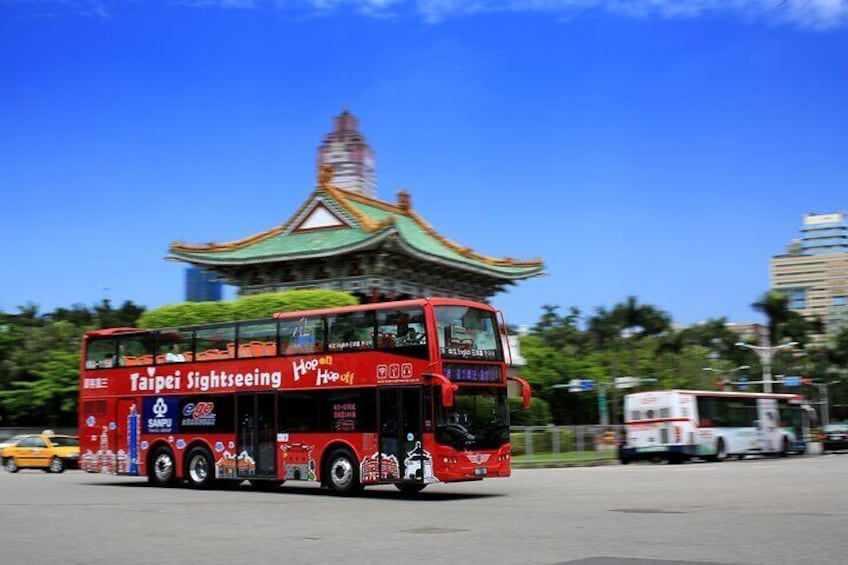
343,198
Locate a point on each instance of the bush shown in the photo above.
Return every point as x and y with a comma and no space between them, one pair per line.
265,305
186,314
245,308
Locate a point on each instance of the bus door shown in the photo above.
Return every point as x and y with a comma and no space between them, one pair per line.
257,435
401,444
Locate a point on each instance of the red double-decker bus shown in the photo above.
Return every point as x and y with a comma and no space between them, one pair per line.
408,393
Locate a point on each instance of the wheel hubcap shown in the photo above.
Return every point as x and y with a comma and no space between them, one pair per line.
163,467
198,469
55,465
342,473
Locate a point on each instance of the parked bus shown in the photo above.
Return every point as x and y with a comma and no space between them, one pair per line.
406,393
677,425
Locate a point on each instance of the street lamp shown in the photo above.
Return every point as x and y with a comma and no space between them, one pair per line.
721,373
766,354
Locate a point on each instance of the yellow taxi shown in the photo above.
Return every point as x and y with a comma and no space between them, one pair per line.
52,452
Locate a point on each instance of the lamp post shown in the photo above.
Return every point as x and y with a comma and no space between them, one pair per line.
766,353
721,373
824,401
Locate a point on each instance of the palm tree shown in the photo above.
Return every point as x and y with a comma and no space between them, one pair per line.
775,306
639,320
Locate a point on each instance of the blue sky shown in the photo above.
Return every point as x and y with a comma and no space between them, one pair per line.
662,149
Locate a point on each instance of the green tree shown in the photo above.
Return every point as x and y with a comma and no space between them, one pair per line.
45,374
775,306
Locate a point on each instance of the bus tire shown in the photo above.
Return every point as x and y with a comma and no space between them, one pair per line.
784,447
721,451
342,473
199,468
410,489
161,472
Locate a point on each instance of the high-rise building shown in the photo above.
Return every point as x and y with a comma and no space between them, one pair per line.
202,286
352,159
813,272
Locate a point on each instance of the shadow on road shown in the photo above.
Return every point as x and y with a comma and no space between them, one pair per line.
376,493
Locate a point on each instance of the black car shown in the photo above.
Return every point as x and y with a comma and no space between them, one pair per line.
835,437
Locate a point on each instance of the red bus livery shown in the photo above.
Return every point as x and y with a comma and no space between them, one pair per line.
406,393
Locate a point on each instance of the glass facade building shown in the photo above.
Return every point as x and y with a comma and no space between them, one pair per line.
813,273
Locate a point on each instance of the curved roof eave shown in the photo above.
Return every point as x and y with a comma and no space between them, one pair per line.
364,244
488,271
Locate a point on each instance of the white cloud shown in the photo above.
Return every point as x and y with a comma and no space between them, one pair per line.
806,14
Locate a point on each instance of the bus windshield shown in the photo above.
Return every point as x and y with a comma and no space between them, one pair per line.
479,419
467,333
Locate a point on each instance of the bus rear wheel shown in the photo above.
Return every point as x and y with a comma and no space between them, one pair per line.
200,470
342,473
162,470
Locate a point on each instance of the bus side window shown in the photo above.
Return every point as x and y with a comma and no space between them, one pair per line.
350,332
136,349
101,354
299,336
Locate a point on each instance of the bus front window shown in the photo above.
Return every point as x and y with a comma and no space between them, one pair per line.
479,419
467,333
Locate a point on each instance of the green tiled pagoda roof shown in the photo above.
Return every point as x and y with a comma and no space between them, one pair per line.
367,221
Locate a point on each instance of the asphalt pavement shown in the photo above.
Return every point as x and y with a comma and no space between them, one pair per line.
757,511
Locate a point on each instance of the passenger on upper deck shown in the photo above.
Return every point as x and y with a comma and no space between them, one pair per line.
174,355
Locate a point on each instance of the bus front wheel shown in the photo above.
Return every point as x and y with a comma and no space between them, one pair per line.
721,450
342,473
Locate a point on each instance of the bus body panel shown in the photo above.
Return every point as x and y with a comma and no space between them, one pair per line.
680,424
129,409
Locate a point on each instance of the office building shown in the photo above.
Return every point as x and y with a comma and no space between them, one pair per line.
813,272
202,286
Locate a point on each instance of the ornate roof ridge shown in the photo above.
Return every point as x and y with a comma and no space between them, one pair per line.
344,199
405,209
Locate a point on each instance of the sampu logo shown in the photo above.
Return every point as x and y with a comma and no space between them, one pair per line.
157,415
160,408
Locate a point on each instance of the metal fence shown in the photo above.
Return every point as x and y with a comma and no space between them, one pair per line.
539,446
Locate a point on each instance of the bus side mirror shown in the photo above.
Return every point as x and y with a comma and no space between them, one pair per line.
525,391
447,388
